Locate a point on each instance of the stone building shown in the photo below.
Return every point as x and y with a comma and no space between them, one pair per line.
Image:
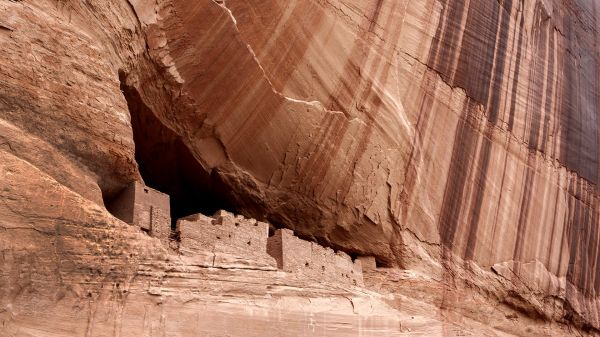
144,207
367,262
225,234
295,255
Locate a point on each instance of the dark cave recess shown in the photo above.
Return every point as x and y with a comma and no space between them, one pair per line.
166,164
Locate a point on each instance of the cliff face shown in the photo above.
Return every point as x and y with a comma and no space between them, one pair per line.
454,139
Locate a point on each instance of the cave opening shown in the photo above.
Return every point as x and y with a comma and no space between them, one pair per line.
166,164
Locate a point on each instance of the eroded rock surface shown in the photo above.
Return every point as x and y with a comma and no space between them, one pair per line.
457,140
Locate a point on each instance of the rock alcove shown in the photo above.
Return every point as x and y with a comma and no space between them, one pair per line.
167,165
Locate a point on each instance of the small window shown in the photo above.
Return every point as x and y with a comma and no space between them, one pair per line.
146,190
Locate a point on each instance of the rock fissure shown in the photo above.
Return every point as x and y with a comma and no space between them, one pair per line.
315,104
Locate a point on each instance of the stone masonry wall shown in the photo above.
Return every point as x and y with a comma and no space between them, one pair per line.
313,260
232,235
160,224
224,233
144,207
147,199
229,237
367,262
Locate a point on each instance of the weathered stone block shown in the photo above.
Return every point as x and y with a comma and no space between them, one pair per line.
291,253
144,207
225,234
367,262
194,232
312,260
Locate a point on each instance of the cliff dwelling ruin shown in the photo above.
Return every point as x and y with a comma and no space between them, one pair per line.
269,168
176,192
225,233
167,165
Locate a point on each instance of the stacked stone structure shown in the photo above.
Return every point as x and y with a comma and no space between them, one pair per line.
313,260
147,208
367,262
227,236
224,233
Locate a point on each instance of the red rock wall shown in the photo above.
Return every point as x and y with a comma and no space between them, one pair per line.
404,129
437,135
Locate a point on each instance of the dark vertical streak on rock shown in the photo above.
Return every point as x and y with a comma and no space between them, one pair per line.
479,70
375,16
583,238
550,75
574,240
500,62
579,149
516,72
498,204
567,96
475,63
524,212
555,221
422,129
445,46
536,86
464,145
596,273
477,199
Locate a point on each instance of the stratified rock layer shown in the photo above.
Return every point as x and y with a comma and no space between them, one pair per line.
404,128
454,138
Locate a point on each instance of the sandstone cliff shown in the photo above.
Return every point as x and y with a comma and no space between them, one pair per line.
454,140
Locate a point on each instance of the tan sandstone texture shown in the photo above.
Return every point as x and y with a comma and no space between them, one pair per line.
438,162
